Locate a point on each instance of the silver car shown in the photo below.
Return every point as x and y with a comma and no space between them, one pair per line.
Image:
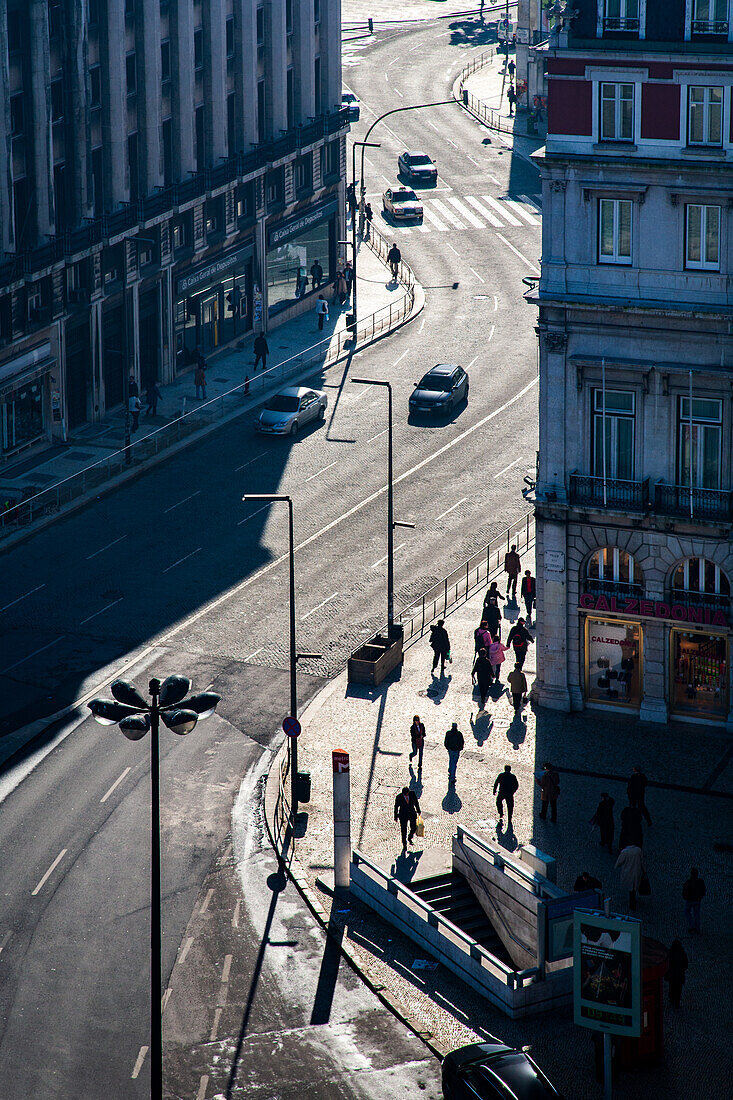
290,409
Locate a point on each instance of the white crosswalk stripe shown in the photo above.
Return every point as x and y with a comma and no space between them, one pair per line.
465,213
475,212
448,214
519,209
439,225
501,210
491,218
535,203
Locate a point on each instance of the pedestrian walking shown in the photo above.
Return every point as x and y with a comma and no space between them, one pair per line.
152,397
549,784
512,568
199,380
417,739
246,385
497,656
677,963
630,865
394,258
368,214
261,350
518,687
512,99
406,809
133,390
693,892
454,743
586,881
631,828
342,288
481,637
316,274
493,595
482,674
440,645
511,67
505,787
349,277
528,593
135,405
519,638
636,790
603,818
492,617
321,311
351,199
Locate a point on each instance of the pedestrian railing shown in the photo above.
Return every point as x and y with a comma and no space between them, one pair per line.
488,115
461,584
19,511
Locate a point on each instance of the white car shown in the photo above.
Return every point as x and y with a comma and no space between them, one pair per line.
349,100
402,204
290,409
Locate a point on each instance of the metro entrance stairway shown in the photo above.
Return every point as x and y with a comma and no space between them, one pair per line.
452,897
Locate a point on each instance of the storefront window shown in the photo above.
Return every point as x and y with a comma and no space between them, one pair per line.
289,264
22,416
699,673
214,306
613,670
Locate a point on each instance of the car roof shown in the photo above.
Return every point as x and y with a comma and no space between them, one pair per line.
443,368
348,95
294,391
418,153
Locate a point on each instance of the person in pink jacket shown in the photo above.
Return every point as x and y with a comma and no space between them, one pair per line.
496,656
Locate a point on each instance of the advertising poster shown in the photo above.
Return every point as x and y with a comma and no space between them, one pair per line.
607,973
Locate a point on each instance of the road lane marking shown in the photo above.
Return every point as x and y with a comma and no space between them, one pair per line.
33,654
399,93
450,246
448,214
465,213
215,1025
400,547
514,463
363,390
475,272
474,161
107,547
493,330
383,432
531,202
322,471
531,219
506,215
472,362
249,463
227,968
26,595
49,872
165,998
252,655
4,941
180,502
203,1085
491,218
139,1062
253,514
404,353
186,948
439,225
422,326
320,605
496,303
101,610
207,899
445,513
235,915
181,560
516,251
115,785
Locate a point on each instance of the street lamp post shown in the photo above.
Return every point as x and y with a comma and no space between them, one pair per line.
391,522
135,716
364,145
294,655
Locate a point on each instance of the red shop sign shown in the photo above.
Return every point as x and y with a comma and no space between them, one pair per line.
653,609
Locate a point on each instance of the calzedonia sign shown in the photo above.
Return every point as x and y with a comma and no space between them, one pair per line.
653,609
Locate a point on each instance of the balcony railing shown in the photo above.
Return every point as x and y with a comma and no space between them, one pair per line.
706,504
594,492
152,206
621,23
703,601
613,588
710,26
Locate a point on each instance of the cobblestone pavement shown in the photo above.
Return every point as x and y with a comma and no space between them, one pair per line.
593,752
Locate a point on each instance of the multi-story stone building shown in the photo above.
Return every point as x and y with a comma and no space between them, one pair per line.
171,169
634,502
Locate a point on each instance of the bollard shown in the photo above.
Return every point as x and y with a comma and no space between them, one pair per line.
341,819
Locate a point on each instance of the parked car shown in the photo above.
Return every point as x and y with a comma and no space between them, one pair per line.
493,1071
417,167
440,390
290,409
348,99
402,204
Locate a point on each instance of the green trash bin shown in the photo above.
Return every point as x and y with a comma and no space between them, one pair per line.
303,786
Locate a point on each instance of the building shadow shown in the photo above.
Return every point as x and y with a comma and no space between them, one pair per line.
481,727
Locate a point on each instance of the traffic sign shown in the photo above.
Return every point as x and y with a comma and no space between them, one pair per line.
291,726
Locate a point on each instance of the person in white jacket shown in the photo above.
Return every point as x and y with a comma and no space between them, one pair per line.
630,864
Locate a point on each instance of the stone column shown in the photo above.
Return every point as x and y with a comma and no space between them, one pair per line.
331,54
553,470
114,102
181,38
215,81
304,52
276,64
7,233
77,136
551,686
245,72
147,45
39,137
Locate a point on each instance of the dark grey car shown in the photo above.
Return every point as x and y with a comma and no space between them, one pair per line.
494,1071
440,390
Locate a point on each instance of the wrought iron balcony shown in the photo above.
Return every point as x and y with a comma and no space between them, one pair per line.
715,505
703,601
710,26
620,23
597,492
613,588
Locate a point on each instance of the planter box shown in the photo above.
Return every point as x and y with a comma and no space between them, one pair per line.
375,660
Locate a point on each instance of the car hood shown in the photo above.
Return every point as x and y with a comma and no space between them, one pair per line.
430,397
271,416
424,170
475,1052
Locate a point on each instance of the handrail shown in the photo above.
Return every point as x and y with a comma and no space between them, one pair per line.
480,875
521,872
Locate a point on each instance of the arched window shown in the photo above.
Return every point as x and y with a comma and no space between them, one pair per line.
701,582
614,572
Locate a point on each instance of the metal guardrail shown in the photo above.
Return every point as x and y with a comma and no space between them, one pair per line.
488,115
49,501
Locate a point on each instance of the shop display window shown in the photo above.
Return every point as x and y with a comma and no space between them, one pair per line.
613,673
289,264
23,418
699,673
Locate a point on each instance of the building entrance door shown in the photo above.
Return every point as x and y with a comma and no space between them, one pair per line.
210,323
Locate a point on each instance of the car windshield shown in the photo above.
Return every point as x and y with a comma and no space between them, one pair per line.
348,97
420,158
435,382
282,403
404,196
519,1078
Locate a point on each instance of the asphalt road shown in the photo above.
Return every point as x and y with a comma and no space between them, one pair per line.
175,572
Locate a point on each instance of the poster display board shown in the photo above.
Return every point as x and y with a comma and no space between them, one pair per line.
607,990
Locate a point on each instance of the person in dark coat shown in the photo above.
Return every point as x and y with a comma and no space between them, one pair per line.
512,568
632,832
506,784
529,593
493,595
482,674
549,784
636,790
481,636
316,274
693,892
520,638
417,739
394,258
261,350
454,743
492,618
406,809
152,397
133,390
440,645
586,881
603,818
675,975
368,215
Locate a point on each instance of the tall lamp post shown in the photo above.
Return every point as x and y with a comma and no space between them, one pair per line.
364,145
135,716
294,655
391,522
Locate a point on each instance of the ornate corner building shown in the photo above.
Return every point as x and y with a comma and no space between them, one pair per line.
171,170
634,504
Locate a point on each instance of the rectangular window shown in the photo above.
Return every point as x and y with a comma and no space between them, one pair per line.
17,114
57,100
200,139
275,188
316,11
621,15
231,123
167,152
705,116
710,17
133,167
614,231
230,36
699,442
165,61
317,84
619,416
702,237
15,31
95,86
304,174
131,73
260,26
288,16
198,49
290,99
246,201
617,112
